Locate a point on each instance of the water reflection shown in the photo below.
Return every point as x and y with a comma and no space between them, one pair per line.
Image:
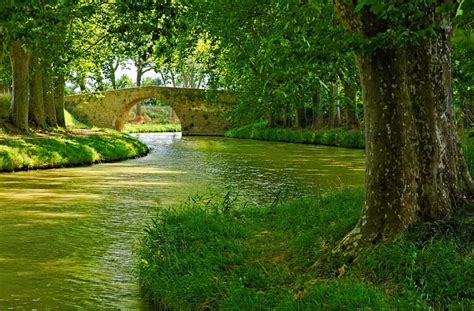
67,236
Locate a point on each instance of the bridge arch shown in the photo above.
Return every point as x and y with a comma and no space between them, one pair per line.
123,116
198,114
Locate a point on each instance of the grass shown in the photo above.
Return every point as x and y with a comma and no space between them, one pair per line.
62,149
151,128
330,137
208,254
216,253
80,145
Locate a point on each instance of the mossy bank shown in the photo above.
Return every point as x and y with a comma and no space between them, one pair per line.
76,147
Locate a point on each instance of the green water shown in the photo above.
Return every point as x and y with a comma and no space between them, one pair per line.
67,236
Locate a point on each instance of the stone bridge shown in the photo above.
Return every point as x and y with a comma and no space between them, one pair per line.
200,113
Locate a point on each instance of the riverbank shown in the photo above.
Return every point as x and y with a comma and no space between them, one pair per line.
338,137
218,254
151,128
213,254
76,147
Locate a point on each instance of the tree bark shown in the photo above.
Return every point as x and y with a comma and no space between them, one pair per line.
20,100
332,105
415,169
139,83
59,99
317,110
350,108
36,106
300,116
48,99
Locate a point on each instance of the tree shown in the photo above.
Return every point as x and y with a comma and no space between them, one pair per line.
20,59
415,170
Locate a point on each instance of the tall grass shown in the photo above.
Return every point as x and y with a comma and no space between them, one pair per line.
209,255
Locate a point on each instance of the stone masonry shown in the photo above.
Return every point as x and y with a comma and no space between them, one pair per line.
200,112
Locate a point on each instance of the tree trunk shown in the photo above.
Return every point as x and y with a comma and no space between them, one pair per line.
350,108
36,106
59,99
48,99
317,110
300,116
20,104
139,83
415,169
332,108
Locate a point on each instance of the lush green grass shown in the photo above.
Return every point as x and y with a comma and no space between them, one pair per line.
61,149
151,127
72,122
212,253
331,137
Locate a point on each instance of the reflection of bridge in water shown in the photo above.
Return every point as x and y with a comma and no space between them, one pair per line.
199,113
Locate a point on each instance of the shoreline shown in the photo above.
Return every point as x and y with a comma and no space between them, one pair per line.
74,148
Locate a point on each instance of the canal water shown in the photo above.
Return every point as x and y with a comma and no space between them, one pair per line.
68,236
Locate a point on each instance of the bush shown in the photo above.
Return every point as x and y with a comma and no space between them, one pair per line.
330,137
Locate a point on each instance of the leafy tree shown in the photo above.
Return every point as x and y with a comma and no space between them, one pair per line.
415,168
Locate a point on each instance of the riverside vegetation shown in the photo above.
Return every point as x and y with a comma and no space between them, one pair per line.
218,253
78,145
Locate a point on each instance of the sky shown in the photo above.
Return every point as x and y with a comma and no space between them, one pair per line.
131,71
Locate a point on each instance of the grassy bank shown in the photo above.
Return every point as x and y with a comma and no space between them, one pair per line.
62,149
151,128
210,254
329,137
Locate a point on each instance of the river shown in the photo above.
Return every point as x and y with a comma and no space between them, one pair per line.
68,236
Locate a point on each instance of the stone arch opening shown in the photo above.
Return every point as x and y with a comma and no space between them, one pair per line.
154,110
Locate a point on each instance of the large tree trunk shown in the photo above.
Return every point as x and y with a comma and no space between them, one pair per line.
415,169
48,99
59,99
20,100
36,107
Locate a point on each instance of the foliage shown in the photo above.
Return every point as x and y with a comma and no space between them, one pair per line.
202,255
151,128
79,147
277,54
468,148
329,137
5,102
